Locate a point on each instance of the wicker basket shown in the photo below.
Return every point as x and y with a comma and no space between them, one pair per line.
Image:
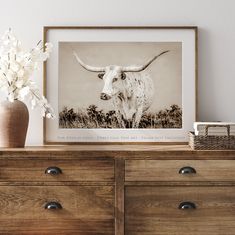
212,142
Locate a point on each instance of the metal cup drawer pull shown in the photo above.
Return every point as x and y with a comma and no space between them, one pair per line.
187,206
187,170
53,206
53,170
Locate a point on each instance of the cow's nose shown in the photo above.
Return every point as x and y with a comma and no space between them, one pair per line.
105,96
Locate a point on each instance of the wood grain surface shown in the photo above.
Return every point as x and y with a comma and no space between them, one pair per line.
168,170
86,210
116,189
159,152
72,170
154,211
119,196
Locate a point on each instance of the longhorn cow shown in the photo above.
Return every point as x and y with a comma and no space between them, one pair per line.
130,89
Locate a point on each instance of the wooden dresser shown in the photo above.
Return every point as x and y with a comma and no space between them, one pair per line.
117,189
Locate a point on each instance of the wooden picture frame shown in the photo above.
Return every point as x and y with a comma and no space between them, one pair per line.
156,36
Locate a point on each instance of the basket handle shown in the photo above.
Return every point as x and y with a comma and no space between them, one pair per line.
208,126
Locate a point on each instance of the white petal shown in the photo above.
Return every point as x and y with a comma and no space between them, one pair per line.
24,91
11,97
21,73
19,83
48,115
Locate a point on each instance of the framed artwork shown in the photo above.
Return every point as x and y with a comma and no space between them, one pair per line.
121,84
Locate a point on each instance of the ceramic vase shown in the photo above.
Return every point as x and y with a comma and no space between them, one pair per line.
14,120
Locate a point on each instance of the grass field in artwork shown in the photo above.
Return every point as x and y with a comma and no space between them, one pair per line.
92,117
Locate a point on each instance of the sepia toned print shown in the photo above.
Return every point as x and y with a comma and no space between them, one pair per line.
120,85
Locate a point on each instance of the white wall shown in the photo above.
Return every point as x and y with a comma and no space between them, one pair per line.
215,19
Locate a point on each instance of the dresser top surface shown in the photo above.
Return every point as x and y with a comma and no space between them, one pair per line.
109,148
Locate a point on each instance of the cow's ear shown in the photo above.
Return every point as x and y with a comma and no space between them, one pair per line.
101,75
123,76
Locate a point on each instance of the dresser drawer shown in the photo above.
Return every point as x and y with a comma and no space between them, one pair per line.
57,170
180,170
169,210
85,210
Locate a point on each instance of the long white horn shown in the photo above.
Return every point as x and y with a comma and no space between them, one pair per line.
142,67
88,67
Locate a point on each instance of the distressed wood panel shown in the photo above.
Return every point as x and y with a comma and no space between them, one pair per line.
134,151
168,170
72,170
154,211
86,210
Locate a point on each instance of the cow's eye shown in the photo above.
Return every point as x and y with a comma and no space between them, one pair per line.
123,76
101,75
115,79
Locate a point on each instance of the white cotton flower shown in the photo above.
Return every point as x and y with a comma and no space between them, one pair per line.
20,73
16,67
10,75
24,92
19,83
20,59
43,113
44,56
49,47
48,115
36,67
3,84
6,42
15,43
33,103
11,97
